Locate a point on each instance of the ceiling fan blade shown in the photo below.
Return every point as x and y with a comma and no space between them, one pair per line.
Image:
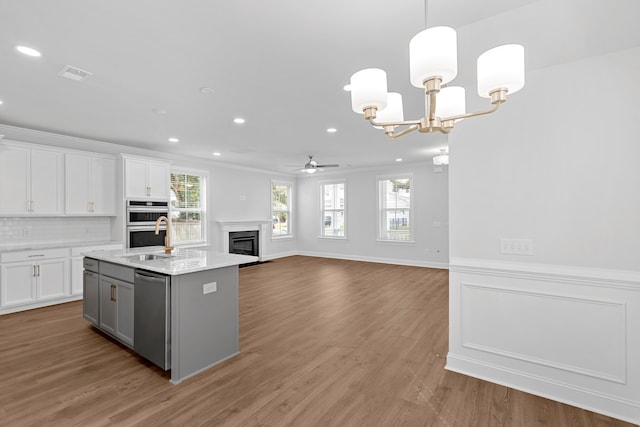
328,166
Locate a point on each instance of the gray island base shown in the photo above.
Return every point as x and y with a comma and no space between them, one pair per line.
186,308
204,328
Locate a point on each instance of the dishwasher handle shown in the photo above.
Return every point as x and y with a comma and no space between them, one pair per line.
149,277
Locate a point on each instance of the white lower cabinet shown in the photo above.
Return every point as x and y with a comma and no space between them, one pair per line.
33,277
18,284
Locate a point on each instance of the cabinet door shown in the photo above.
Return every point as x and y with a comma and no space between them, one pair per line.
46,182
76,276
14,180
17,283
124,317
135,179
52,278
103,179
158,180
108,289
77,182
91,299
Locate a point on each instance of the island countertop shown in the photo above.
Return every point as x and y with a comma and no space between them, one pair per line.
180,261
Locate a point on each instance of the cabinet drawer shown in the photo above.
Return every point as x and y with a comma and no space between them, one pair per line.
116,271
90,264
33,255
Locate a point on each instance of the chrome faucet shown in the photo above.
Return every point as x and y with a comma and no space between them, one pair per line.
167,247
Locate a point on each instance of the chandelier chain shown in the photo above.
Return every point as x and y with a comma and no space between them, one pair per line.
426,3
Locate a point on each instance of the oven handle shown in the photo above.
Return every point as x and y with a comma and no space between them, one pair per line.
145,227
147,209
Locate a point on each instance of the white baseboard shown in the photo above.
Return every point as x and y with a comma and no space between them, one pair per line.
396,261
611,406
278,255
40,304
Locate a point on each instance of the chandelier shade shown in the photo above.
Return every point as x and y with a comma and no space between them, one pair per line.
368,89
393,112
501,68
433,53
451,101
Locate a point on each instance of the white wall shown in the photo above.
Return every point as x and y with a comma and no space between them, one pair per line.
243,194
430,204
558,164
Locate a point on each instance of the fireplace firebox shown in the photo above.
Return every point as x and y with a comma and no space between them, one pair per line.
244,242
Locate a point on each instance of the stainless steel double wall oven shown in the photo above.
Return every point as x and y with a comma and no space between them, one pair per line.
141,223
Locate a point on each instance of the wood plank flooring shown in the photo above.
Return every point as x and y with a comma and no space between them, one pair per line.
323,343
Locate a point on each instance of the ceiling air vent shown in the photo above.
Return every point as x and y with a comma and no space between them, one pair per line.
74,73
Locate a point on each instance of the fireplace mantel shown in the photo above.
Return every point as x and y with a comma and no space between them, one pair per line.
227,225
233,222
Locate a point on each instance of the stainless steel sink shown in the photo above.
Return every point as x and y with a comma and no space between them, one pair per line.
146,257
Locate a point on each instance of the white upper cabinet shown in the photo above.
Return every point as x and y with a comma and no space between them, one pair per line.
90,185
146,179
31,181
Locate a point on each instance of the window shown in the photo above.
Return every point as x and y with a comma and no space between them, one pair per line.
332,209
394,213
187,208
281,209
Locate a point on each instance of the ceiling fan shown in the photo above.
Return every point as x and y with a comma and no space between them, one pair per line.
312,166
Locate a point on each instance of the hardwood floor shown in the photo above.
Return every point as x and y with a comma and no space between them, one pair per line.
323,343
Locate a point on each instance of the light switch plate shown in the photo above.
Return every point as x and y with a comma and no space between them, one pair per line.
516,246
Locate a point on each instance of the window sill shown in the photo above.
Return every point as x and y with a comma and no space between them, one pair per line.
285,237
402,242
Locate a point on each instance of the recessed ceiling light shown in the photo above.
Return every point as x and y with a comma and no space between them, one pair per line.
28,51
347,88
0,101
216,154
174,140
238,120
398,159
206,91
332,130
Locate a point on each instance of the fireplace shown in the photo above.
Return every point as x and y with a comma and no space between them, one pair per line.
244,242
239,227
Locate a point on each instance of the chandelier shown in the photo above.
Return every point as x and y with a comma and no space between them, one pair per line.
433,62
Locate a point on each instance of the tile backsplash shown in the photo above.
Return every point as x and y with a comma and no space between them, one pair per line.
17,232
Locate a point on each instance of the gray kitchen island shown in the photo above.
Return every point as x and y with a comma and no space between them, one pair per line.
178,310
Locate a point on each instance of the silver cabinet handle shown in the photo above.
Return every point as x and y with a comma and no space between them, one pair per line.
38,270
34,271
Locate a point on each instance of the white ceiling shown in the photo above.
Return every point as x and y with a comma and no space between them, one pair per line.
279,64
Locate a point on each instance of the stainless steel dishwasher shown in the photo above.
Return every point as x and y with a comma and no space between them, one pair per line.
152,317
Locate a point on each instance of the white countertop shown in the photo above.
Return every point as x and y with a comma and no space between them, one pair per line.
39,246
181,260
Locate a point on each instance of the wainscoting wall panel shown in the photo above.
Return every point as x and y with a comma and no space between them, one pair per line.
569,334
